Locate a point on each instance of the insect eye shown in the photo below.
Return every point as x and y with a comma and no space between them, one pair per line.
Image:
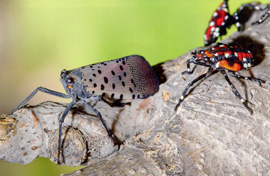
70,80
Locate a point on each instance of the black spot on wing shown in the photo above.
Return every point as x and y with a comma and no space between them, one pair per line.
106,80
121,67
102,87
131,90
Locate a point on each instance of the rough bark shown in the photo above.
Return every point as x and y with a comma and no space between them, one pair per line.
210,134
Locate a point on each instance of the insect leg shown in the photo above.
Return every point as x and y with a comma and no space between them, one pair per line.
60,127
42,89
189,71
235,91
196,63
202,64
99,115
264,16
233,74
203,76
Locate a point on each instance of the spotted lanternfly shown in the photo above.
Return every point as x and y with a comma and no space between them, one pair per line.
222,58
130,77
220,21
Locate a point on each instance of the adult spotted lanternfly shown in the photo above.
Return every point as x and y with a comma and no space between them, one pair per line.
222,58
130,77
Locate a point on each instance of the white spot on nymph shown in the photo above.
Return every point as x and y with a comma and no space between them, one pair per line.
216,34
235,53
215,14
212,23
249,64
246,78
217,64
244,59
182,97
205,37
237,24
245,65
216,54
227,55
221,45
188,69
226,17
236,17
223,23
213,29
248,51
242,100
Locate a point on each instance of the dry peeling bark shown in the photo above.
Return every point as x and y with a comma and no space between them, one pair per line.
210,134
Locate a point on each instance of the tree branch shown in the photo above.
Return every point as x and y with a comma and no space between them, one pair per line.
211,133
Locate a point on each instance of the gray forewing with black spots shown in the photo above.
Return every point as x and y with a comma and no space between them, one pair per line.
130,77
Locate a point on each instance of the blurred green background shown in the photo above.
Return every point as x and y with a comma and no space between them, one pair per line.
40,38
